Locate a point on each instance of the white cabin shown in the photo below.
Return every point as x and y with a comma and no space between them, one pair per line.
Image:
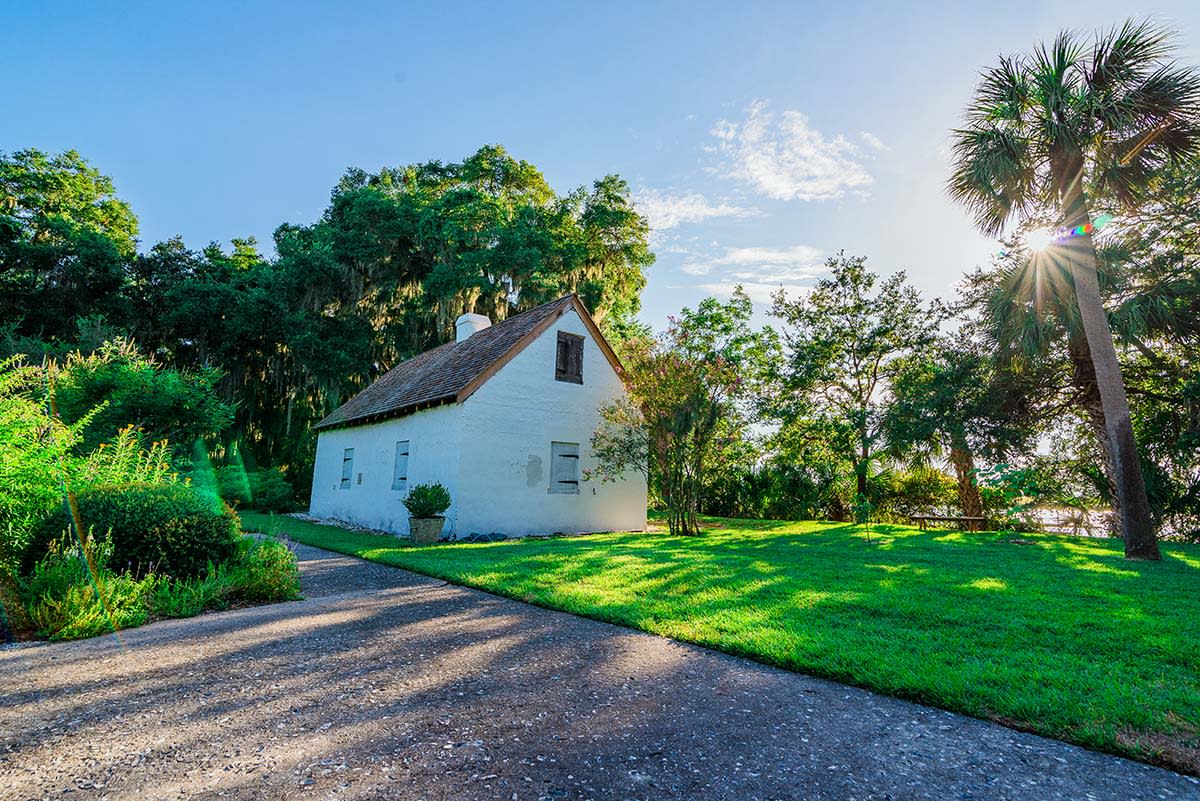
502,417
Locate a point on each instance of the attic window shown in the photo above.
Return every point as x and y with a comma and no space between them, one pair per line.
564,468
568,364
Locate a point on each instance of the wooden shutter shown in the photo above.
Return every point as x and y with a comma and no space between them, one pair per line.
564,468
347,467
568,362
400,468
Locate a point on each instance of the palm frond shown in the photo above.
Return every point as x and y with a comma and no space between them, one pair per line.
1002,94
993,174
1122,56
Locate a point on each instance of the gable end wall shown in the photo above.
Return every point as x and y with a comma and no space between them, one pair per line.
507,427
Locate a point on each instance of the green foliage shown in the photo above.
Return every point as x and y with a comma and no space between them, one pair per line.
845,340
126,459
955,401
690,392
1052,133
64,240
35,449
167,529
264,571
1011,494
897,495
266,489
71,593
427,500
233,484
188,597
270,491
1109,114
776,490
40,459
128,389
260,571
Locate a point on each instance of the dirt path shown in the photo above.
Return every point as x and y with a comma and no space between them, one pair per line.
385,684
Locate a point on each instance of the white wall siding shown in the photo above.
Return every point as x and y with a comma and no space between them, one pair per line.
433,437
507,428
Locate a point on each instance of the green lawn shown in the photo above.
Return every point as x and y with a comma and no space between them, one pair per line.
1056,635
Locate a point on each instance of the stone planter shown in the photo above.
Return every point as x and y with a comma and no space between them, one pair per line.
425,530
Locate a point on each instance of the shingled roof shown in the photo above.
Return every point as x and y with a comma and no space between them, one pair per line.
450,373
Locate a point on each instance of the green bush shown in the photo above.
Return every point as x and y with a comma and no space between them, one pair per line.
68,597
233,484
167,529
40,454
270,491
261,571
265,489
264,571
188,597
427,500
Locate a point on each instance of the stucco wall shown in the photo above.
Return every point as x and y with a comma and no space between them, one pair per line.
433,437
507,427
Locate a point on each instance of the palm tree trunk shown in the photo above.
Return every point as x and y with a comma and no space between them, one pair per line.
964,469
1136,524
1083,376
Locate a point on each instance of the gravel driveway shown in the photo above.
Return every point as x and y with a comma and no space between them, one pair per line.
388,685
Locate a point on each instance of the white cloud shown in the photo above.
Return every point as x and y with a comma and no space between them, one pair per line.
785,158
873,140
666,211
761,265
759,293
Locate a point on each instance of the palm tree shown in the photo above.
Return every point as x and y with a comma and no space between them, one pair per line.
1050,129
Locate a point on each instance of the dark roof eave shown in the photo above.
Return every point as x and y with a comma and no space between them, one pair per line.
391,414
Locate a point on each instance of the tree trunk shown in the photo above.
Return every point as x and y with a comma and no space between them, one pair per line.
1136,523
860,473
1083,375
964,470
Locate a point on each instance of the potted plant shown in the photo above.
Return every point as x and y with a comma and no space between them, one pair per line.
425,504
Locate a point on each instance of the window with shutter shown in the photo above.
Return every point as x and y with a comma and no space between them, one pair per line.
400,468
568,362
347,467
564,468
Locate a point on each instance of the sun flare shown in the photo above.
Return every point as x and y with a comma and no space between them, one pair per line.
1039,239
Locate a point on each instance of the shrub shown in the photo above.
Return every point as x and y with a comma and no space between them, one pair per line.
188,597
270,491
67,599
118,387
41,454
427,500
170,529
34,448
265,489
264,571
261,571
233,484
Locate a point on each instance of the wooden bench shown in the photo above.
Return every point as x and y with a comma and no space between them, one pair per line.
967,523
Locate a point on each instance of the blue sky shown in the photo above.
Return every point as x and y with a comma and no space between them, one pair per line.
759,137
